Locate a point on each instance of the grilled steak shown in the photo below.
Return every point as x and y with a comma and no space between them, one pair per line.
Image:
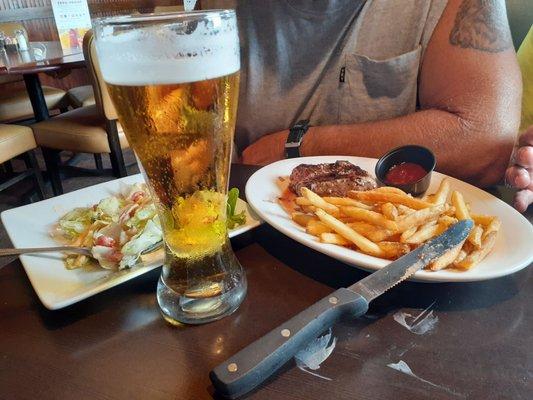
335,179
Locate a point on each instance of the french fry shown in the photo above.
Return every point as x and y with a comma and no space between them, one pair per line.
303,219
420,217
362,225
477,255
379,234
302,201
493,226
407,234
394,249
389,197
369,216
484,220
475,236
425,232
447,221
334,238
441,195
346,201
386,222
344,218
365,245
316,228
319,202
446,259
312,209
461,212
427,197
450,210
364,228
404,210
460,257
390,189
389,211
372,232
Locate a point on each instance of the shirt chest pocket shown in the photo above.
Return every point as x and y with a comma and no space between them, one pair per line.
373,89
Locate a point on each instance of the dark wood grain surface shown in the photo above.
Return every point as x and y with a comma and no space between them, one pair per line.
116,346
54,59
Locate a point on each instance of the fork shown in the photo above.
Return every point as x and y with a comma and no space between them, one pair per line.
68,249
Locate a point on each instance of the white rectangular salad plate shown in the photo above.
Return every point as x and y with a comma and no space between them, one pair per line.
512,252
57,287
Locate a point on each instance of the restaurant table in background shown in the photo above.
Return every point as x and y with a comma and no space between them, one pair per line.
116,345
41,57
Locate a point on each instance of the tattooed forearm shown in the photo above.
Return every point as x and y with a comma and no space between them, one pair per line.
481,25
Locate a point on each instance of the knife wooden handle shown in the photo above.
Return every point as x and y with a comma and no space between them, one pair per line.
255,363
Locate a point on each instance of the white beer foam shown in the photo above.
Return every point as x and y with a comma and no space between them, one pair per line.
155,55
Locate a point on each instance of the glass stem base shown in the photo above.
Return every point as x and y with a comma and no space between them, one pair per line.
188,296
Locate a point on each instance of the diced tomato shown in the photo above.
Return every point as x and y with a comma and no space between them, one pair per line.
105,241
137,196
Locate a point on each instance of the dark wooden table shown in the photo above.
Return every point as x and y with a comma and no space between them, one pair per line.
51,59
116,346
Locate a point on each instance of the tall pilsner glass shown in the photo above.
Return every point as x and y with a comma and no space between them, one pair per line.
174,81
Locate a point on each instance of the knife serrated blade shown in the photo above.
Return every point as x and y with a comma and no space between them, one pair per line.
380,281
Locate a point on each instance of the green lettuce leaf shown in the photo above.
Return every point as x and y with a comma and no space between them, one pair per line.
110,206
131,251
233,219
76,221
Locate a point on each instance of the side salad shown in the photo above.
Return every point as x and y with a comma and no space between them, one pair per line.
120,228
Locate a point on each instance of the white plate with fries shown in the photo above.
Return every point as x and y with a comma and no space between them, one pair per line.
56,286
368,229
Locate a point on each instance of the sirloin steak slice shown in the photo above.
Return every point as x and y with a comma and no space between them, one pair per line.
335,179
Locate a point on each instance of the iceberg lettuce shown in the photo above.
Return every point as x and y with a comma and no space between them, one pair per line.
132,250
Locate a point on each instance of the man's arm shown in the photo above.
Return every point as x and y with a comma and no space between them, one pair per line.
469,96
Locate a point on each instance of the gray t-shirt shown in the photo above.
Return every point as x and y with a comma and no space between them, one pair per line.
332,62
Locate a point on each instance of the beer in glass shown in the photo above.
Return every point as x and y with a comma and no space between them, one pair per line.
174,79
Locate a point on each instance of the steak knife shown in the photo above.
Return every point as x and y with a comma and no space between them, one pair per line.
252,365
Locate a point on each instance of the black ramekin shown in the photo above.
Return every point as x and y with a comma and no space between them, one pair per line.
411,153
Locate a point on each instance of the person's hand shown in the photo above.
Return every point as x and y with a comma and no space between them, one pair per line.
520,175
266,150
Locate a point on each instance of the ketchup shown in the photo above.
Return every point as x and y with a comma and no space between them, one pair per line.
405,173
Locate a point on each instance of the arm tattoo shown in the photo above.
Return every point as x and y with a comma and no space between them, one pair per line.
481,25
